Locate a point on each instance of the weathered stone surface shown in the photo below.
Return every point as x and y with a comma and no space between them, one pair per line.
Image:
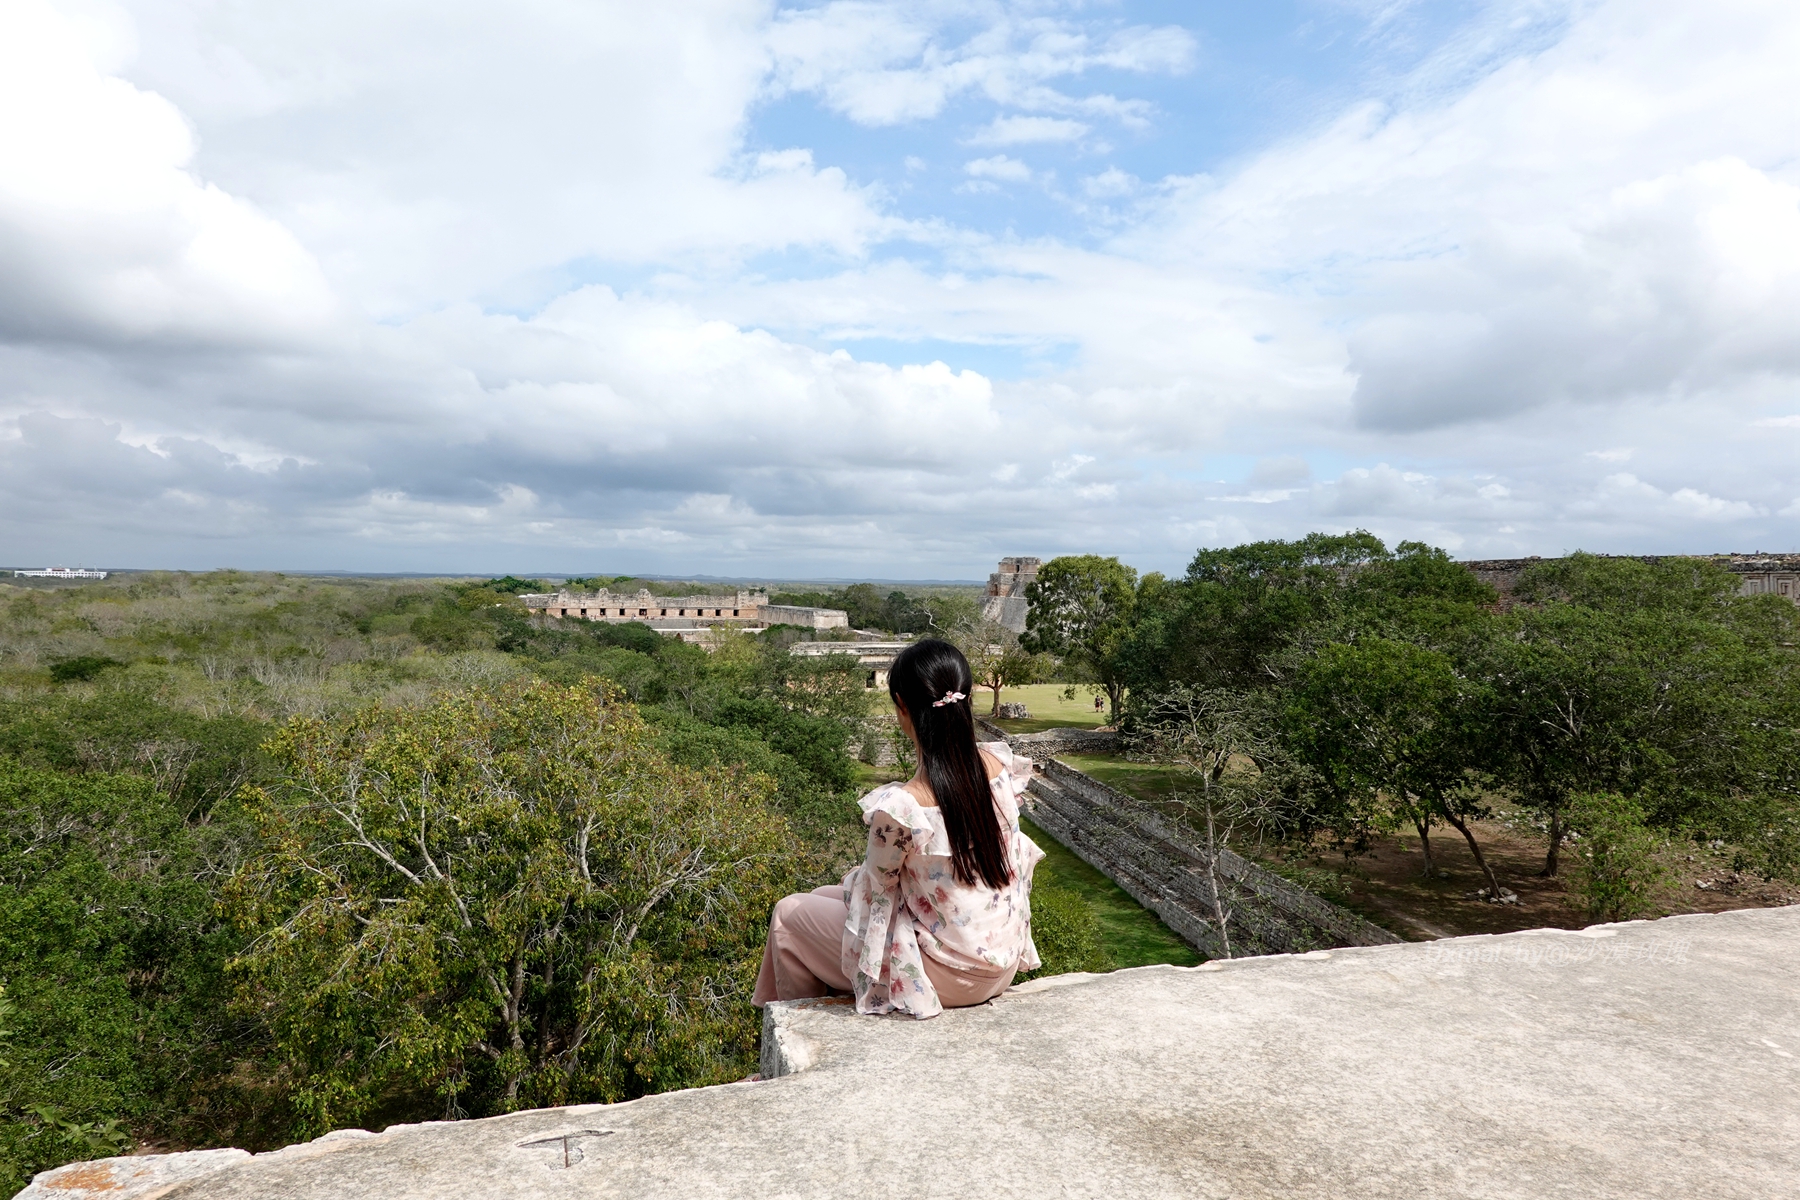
1653,1059
134,1177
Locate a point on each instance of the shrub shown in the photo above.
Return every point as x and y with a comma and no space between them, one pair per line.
88,666
1066,933
195,761
1618,874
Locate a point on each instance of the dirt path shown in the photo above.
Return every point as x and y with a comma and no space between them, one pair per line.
1387,886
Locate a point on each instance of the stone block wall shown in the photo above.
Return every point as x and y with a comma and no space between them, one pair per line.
1052,742
807,618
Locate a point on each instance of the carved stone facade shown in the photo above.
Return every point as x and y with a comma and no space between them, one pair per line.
1766,574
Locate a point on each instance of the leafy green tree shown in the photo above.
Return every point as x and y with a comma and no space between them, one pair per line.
1570,709
1417,594
1693,586
111,956
1082,608
1242,613
1654,681
996,657
196,761
504,899
510,586
1396,721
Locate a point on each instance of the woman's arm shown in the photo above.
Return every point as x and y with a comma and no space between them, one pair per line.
889,844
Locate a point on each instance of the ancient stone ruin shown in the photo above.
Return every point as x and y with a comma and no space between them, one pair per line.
1005,601
678,614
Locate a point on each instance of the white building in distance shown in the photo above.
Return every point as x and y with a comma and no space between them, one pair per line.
60,573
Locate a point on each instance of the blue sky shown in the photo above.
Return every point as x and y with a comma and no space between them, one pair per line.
892,289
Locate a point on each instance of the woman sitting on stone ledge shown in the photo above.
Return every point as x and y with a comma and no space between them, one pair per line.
938,915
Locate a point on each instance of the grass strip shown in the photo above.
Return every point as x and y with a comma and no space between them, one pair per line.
1132,935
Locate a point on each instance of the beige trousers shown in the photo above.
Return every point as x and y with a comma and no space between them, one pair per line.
804,956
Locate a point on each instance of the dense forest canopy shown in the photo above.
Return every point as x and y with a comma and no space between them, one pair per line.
167,743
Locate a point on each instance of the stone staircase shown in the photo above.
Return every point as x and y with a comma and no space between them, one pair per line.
1162,866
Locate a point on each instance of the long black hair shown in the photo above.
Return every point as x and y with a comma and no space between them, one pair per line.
922,675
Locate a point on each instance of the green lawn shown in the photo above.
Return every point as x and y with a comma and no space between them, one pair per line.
1048,708
1131,933
1151,782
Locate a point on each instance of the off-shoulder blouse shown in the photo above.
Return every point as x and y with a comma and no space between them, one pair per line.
905,901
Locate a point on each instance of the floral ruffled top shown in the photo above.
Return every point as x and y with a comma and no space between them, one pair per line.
905,901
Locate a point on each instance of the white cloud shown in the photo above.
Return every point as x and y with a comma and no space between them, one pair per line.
884,64
104,232
1109,183
283,286
1011,170
1014,131
433,152
1627,496
1684,281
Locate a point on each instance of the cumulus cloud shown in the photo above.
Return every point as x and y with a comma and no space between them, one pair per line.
1109,183
299,291
104,231
438,152
1681,282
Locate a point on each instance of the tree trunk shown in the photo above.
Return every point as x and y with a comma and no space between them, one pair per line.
995,710
1556,841
1475,849
1425,845
1212,877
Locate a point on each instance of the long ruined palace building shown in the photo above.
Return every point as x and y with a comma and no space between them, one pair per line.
675,614
1758,574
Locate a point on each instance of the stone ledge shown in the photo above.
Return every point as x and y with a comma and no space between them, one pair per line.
1650,1059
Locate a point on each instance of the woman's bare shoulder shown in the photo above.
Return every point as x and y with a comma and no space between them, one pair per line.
919,791
990,762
